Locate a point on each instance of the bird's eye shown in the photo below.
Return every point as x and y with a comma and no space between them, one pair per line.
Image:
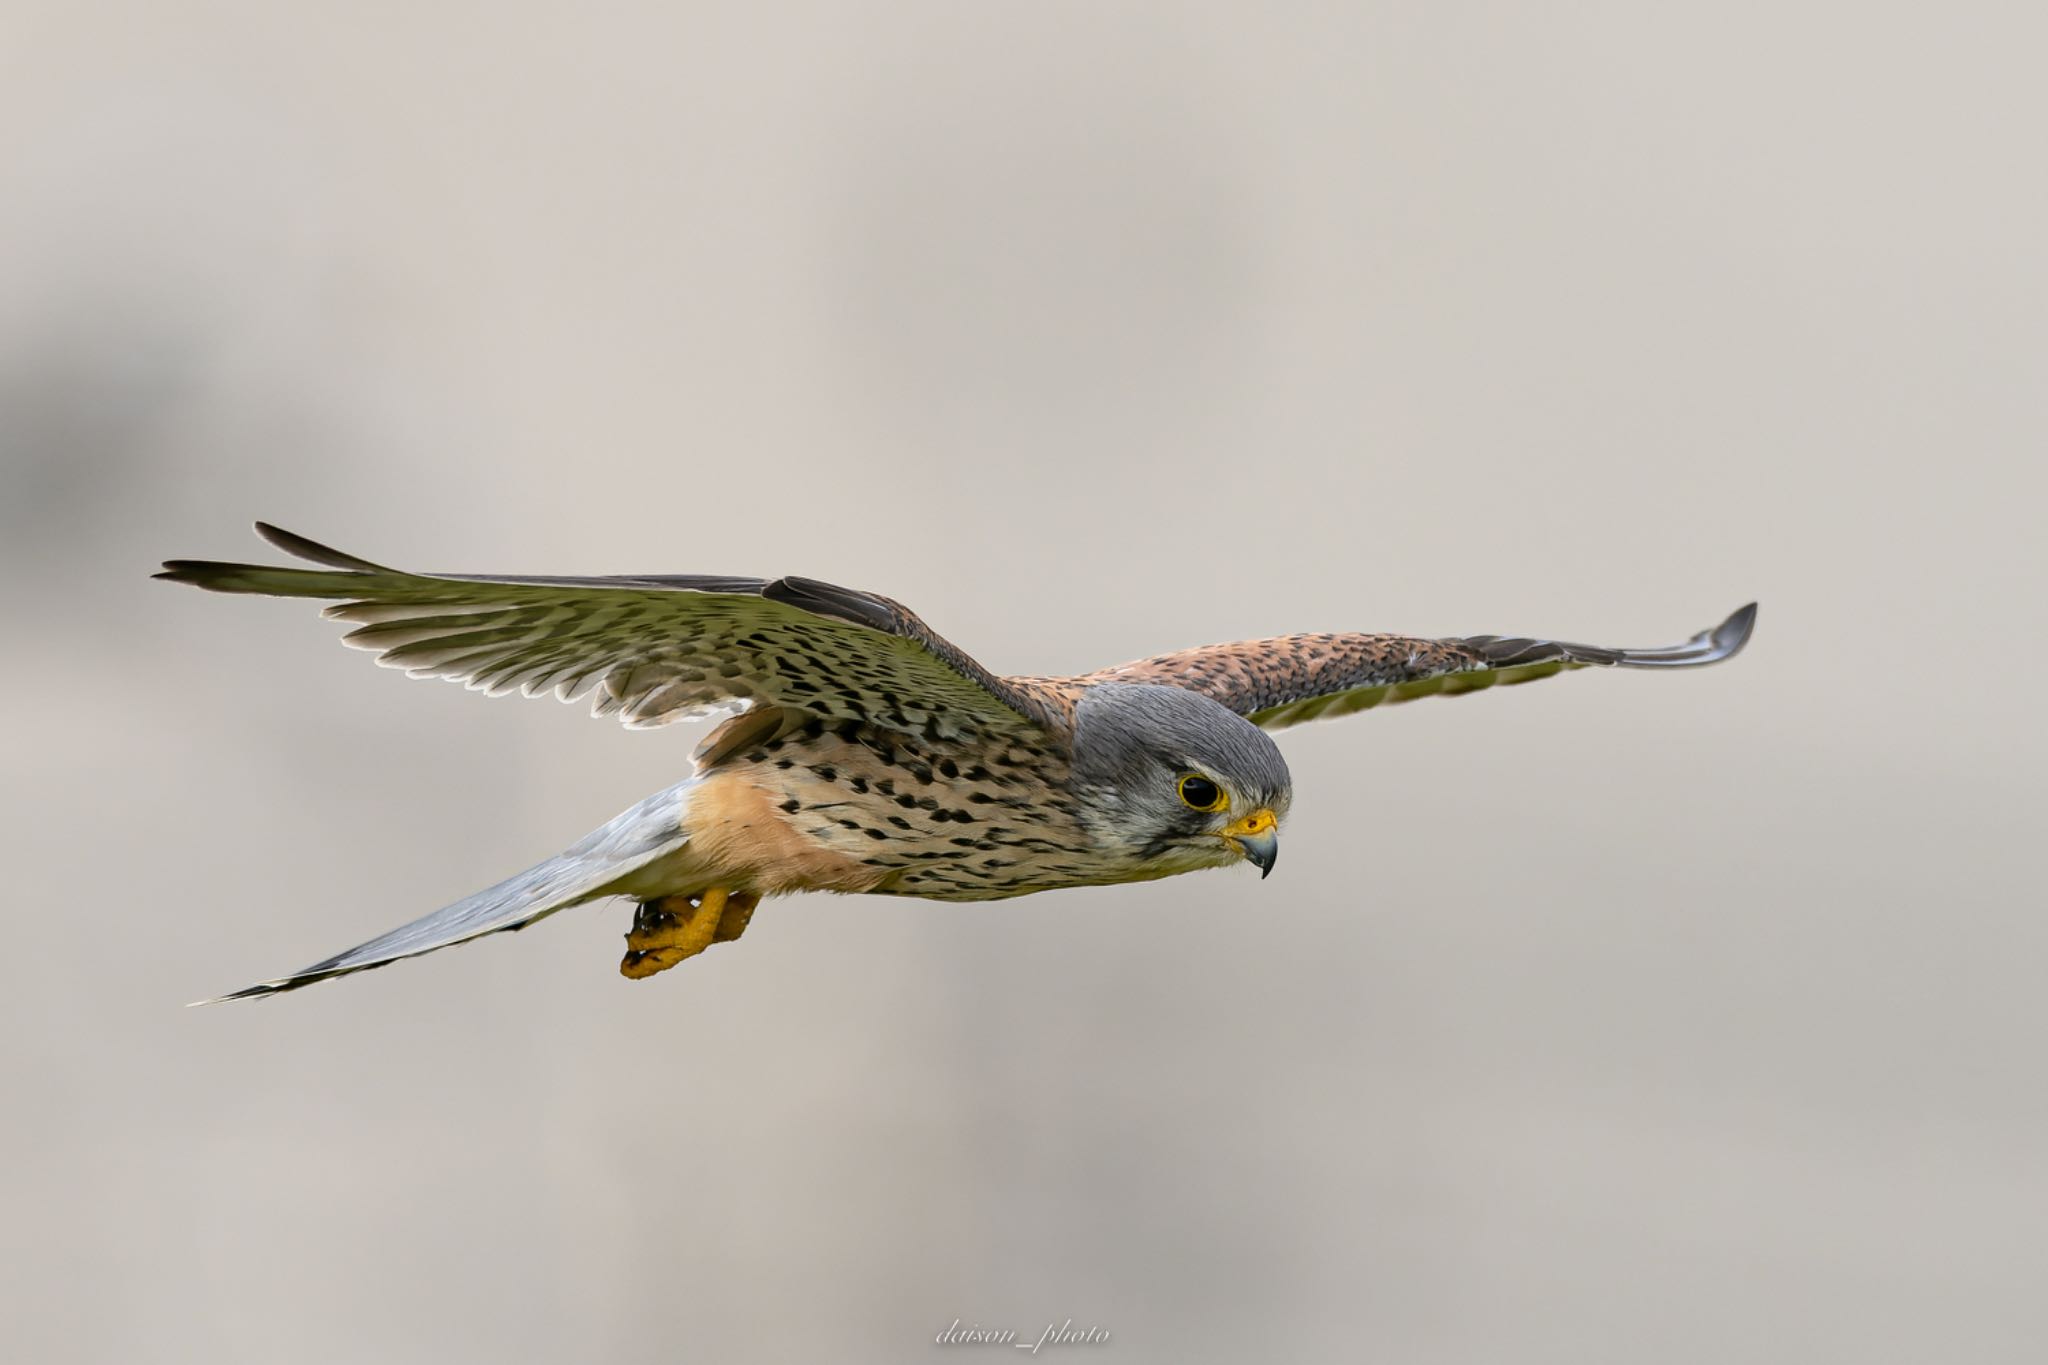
1199,793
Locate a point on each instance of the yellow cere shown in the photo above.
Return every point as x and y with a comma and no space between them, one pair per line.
1260,821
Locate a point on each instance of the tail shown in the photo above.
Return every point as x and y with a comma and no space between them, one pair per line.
594,867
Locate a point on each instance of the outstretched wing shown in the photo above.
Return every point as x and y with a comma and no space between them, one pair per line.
649,649
1281,682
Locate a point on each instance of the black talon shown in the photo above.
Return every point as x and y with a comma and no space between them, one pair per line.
650,917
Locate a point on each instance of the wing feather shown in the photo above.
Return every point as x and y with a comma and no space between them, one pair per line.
651,649
1294,678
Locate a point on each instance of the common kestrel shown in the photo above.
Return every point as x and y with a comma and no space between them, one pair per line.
868,754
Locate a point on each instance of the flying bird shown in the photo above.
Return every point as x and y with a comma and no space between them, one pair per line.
866,753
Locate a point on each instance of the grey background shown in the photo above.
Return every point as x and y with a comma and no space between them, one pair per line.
1628,1017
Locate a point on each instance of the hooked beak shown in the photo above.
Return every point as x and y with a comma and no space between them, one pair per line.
1256,836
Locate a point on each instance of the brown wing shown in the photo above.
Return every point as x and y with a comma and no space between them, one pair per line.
1293,678
651,649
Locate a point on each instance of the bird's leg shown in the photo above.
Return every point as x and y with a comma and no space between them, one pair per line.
667,930
739,908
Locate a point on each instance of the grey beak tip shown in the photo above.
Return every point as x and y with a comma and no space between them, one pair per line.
1260,850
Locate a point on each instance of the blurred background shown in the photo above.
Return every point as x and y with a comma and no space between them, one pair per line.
1629,1017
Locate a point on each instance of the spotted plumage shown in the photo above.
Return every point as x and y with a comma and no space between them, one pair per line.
868,754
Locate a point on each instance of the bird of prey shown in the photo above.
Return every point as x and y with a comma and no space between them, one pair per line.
867,754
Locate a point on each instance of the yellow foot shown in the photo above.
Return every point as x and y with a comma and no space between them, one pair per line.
739,910
669,930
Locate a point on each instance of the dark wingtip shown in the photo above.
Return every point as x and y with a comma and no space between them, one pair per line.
1724,641
203,573
274,579
299,546
1732,634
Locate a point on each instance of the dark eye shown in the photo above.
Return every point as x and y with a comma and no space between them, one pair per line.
1200,793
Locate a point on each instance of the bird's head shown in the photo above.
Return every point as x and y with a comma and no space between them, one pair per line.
1176,780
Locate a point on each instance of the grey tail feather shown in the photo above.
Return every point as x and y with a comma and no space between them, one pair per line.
591,868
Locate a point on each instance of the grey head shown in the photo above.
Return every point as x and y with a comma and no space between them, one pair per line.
1174,781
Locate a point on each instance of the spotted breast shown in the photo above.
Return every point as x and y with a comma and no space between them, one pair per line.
850,807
